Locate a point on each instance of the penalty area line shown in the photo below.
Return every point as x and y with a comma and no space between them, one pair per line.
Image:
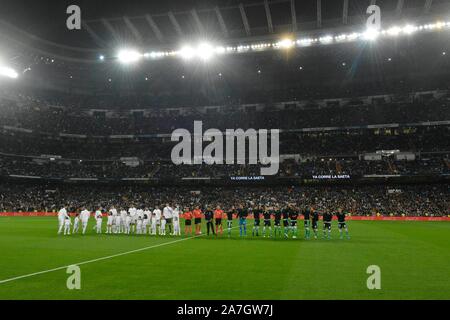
101,259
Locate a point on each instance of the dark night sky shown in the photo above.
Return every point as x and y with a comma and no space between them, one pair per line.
47,18
37,13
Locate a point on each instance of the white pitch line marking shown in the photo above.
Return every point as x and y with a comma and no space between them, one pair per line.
100,259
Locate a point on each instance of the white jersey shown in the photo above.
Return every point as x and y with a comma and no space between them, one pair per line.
110,219
62,214
176,214
176,222
114,215
123,214
157,213
98,218
168,212
148,213
140,214
85,215
98,215
132,211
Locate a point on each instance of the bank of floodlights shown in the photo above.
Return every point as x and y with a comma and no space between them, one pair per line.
205,51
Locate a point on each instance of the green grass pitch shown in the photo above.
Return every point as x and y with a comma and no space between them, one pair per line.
414,258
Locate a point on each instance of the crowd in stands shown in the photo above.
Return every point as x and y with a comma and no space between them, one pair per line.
164,170
32,120
36,115
323,153
331,143
397,200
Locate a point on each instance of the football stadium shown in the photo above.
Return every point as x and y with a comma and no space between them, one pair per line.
225,150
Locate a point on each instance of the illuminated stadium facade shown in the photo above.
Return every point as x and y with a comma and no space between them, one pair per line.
319,74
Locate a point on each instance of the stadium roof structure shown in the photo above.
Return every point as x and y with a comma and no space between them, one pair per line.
169,24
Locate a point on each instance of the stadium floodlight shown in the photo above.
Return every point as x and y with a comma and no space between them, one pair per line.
242,48
353,36
187,52
205,51
262,46
326,39
440,24
155,54
371,34
341,37
409,29
305,41
8,72
220,50
127,56
285,43
394,31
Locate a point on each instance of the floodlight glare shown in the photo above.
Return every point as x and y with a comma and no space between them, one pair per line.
205,51
353,36
371,34
326,39
8,72
305,42
440,24
220,50
409,29
154,55
128,56
341,37
285,43
187,52
394,31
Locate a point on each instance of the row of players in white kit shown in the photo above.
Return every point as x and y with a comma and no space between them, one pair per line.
134,220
